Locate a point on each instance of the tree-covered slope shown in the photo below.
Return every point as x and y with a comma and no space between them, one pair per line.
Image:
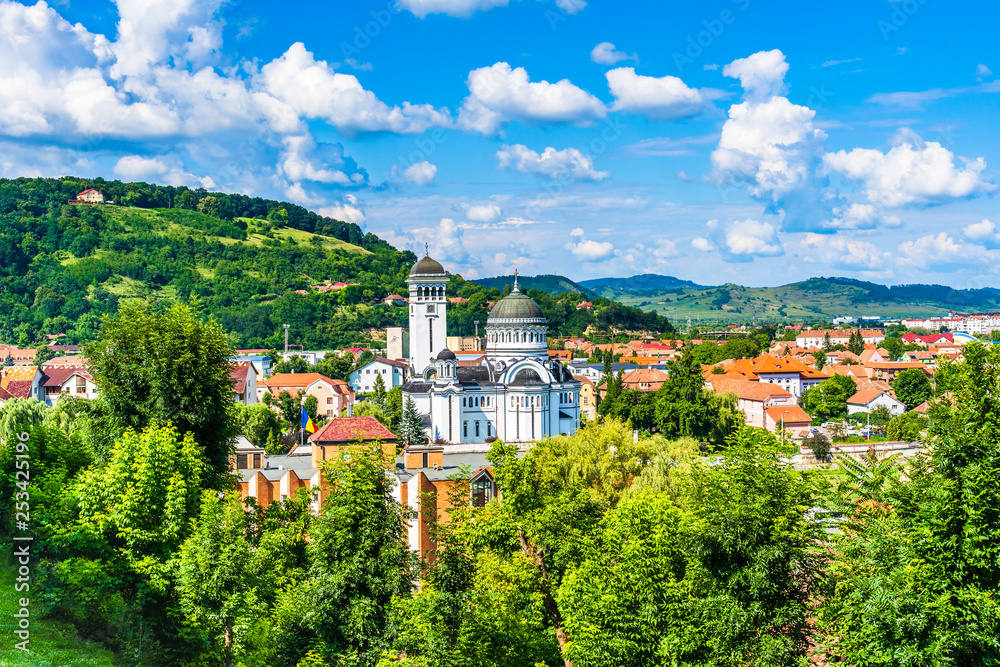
547,283
254,264
643,282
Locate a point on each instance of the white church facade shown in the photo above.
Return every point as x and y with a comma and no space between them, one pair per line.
515,392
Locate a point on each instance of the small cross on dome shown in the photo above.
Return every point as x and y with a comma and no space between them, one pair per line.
515,278
427,249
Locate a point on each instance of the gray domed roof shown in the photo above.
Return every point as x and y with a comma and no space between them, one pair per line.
427,266
516,306
526,377
445,355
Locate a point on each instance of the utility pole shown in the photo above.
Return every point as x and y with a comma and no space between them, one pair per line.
286,339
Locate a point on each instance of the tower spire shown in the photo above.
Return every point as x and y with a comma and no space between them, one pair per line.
515,280
427,249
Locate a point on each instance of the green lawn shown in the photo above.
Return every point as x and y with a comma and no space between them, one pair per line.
52,644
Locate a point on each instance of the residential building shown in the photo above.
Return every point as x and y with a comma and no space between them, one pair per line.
397,343
888,370
393,374
23,382
753,398
245,375
595,372
59,381
867,400
792,375
790,418
334,396
588,396
88,196
258,357
815,338
465,344
394,300
644,379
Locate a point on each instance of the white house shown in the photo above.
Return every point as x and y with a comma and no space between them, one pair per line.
245,375
869,399
393,375
67,381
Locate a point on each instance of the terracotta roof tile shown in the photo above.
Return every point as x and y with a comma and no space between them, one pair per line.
865,396
352,429
751,391
792,414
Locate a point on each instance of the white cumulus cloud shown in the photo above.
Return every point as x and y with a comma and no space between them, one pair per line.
421,173
914,171
568,163
761,75
485,213
159,170
587,250
741,240
605,53
349,210
941,252
844,252
499,94
663,98
314,90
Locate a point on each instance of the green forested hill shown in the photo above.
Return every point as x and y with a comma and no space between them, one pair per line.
63,265
246,259
546,283
815,299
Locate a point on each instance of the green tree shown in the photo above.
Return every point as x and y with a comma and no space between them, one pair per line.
214,580
258,423
311,405
820,357
156,364
912,387
917,574
359,563
894,346
827,344
685,408
411,425
378,393
856,343
828,399
907,426
43,353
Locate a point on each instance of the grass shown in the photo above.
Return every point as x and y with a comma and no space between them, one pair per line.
52,644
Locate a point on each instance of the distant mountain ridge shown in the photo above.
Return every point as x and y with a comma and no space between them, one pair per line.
645,281
818,299
550,283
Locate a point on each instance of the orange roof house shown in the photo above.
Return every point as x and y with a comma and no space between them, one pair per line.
792,417
334,396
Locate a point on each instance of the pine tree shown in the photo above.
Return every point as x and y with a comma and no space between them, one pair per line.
411,426
379,391
857,343
826,342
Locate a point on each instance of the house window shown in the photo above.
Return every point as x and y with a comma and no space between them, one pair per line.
424,463
329,400
465,429
482,491
477,429
489,430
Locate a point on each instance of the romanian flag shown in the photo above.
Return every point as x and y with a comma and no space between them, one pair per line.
307,423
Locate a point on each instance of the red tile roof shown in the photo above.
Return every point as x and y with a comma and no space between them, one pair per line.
751,391
4,394
53,377
239,373
792,414
342,430
865,396
19,388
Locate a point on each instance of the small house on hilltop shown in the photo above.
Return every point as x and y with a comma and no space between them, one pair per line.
88,196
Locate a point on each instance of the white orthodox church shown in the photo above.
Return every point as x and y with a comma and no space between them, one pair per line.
515,392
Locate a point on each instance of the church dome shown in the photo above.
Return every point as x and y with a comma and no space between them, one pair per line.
445,355
516,306
427,267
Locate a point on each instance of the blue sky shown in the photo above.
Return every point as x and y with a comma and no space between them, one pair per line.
733,140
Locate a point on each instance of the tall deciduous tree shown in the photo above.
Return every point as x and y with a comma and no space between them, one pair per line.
912,387
169,365
917,569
